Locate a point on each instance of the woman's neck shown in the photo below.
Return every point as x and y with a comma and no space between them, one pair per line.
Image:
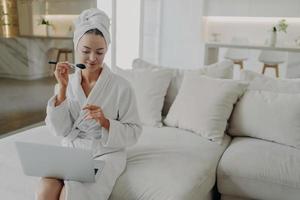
90,76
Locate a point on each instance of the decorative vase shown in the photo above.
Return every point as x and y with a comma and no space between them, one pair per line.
273,38
50,31
47,31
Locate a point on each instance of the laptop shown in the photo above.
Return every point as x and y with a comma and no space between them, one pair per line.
58,162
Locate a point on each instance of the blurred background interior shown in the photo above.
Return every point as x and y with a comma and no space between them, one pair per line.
185,34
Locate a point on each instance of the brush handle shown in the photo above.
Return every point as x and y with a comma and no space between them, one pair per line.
52,62
70,64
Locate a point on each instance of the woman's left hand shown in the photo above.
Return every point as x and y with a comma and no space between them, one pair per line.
96,113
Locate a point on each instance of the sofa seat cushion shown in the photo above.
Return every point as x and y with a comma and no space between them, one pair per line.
228,197
169,163
259,169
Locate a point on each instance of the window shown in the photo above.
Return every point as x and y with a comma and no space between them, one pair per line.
125,30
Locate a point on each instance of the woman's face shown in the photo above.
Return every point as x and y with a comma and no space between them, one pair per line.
91,51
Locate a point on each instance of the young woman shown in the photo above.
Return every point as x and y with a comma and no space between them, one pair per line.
93,109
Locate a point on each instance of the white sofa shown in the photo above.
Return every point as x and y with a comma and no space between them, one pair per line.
181,161
263,159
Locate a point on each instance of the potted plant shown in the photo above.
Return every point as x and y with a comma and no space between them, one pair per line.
47,24
281,26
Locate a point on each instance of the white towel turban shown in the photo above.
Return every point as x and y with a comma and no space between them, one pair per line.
91,19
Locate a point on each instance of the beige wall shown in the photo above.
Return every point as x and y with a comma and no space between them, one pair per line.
25,17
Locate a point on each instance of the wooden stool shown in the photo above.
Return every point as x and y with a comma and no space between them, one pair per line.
271,66
272,59
63,51
236,55
240,63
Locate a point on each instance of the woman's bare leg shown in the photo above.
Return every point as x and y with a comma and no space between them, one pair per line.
62,194
49,189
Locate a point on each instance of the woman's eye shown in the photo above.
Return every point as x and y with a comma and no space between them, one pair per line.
99,53
85,52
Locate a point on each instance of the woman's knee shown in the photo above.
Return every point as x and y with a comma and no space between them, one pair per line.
49,188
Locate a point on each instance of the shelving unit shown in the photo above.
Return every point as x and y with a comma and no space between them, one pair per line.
31,12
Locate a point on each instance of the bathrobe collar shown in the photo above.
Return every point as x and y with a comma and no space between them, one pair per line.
102,81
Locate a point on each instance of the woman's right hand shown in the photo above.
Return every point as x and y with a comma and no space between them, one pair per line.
62,74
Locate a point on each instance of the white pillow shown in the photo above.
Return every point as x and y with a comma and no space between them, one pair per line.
150,89
203,105
261,82
269,109
223,69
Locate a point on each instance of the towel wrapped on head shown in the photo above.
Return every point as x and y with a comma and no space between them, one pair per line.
91,19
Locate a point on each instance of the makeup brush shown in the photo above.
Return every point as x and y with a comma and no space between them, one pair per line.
81,66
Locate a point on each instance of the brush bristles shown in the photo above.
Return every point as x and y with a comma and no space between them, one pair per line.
81,66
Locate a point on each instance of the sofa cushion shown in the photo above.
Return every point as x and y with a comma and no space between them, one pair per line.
203,105
150,88
259,169
169,164
269,109
229,197
268,115
223,69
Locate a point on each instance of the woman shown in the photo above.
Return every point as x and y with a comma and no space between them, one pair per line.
93,109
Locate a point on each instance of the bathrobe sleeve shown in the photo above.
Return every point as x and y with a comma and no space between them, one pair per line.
59,119
125,130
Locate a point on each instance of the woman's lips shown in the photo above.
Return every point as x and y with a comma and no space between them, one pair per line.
92,64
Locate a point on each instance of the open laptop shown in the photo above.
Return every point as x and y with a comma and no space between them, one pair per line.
58,162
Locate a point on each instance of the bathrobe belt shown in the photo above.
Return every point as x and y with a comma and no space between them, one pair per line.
85,130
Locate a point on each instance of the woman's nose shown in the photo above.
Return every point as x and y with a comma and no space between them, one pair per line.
92,57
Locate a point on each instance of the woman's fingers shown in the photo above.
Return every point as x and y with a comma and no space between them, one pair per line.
97,113
62,73
62,68
93,116
91,107
93,112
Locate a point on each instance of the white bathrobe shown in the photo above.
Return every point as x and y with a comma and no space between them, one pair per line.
117,100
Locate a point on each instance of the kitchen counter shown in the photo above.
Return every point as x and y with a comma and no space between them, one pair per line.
211,54
26,57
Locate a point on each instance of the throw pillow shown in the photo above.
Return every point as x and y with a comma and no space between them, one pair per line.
150,89
203,105
223,69
269,109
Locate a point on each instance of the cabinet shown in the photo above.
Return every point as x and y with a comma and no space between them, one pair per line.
68,7
59,13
